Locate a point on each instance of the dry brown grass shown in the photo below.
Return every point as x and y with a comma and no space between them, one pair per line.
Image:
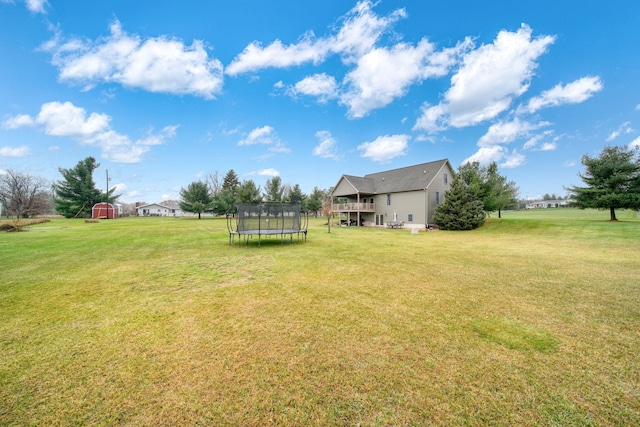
527,321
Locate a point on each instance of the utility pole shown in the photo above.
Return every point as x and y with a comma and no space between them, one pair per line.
107,207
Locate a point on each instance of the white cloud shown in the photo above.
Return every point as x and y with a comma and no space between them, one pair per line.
265,135
21,151
162,64
498,154
322,86
277,55
486,155
21,120
385,148
571,93
69,121
120,187
261,135
384,74
35,6
327,146
513,160
268,172
548,146
532,143
623,129
360,30
635,143
488,80
507,132
380,74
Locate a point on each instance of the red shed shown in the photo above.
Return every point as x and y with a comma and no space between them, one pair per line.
103,210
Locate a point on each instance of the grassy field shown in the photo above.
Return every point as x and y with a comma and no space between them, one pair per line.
531,320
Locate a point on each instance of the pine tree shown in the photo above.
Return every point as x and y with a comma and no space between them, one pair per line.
231,182
461,209
297,196
76,194
273,190
249,192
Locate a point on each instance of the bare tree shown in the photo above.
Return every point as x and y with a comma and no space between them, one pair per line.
327,210
213,181
23,195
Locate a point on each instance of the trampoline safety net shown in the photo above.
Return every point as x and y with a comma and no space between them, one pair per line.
264,219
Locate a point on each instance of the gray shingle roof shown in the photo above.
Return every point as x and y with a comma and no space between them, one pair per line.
409,178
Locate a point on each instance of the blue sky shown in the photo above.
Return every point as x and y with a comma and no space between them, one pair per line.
163,93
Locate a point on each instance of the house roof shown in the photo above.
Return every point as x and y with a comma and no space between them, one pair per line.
162,205
417,177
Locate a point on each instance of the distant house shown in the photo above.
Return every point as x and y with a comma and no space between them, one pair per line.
543,204
404,197
159,209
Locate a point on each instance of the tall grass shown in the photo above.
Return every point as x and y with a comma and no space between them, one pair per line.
530,320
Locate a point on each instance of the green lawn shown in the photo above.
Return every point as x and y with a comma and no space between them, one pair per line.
531,320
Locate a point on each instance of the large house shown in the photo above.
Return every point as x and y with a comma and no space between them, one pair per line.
399,197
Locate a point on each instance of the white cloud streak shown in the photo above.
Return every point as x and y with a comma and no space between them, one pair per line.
327,146
360,30
572,93
623,129
21,151
265,135
66,120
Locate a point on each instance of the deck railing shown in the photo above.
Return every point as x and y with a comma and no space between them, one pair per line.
353,207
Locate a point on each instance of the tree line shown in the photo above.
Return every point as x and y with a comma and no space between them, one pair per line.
73,196
612,182
220,196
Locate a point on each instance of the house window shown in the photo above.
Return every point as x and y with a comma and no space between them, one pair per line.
389,199
410,218
437,197
446,178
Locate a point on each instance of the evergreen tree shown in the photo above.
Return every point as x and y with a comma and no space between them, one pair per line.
248,192
314,201
231,182
461,209
273,190
491,188
76,194
196,198
613,181
297,196
224,203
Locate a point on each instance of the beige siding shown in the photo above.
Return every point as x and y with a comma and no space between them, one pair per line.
343,188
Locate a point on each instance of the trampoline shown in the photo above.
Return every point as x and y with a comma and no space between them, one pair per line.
267,219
